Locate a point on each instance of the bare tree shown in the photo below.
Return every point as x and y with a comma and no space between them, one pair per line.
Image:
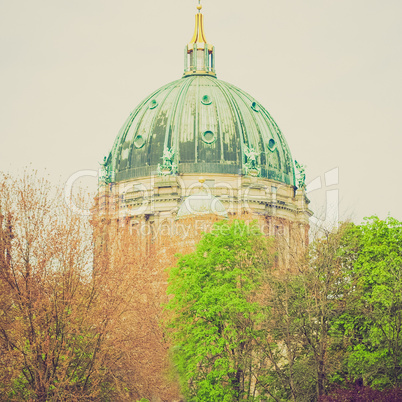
78,309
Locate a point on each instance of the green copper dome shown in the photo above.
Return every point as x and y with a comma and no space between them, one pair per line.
199,124
208,126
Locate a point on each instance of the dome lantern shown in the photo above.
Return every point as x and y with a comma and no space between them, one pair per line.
199,55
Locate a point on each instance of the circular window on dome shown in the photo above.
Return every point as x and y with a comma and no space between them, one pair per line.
272,144
139,141
206,100
255,107
208,137
153,104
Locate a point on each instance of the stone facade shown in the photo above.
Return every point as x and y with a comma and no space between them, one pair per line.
152,205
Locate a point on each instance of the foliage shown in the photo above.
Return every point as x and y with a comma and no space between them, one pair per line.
248,317
373,320
47,335
324,319
305,295
73,322
216,312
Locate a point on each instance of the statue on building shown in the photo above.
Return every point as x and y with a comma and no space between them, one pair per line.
105,175
251,166
168,166
300,175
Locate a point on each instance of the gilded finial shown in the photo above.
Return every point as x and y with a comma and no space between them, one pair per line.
199,55
199,35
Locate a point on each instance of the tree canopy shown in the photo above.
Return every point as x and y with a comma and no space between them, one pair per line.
372,320
79,303
217,312
247,318
246,329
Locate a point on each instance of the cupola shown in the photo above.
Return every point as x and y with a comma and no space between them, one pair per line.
199,55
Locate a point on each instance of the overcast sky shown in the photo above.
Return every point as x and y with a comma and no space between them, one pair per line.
329,73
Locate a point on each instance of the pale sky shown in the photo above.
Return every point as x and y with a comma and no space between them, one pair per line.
329,73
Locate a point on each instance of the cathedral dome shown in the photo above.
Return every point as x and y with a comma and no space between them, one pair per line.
211,126
199,128
200,125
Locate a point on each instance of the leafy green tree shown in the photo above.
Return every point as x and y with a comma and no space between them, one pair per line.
373,320
216,313
295,331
